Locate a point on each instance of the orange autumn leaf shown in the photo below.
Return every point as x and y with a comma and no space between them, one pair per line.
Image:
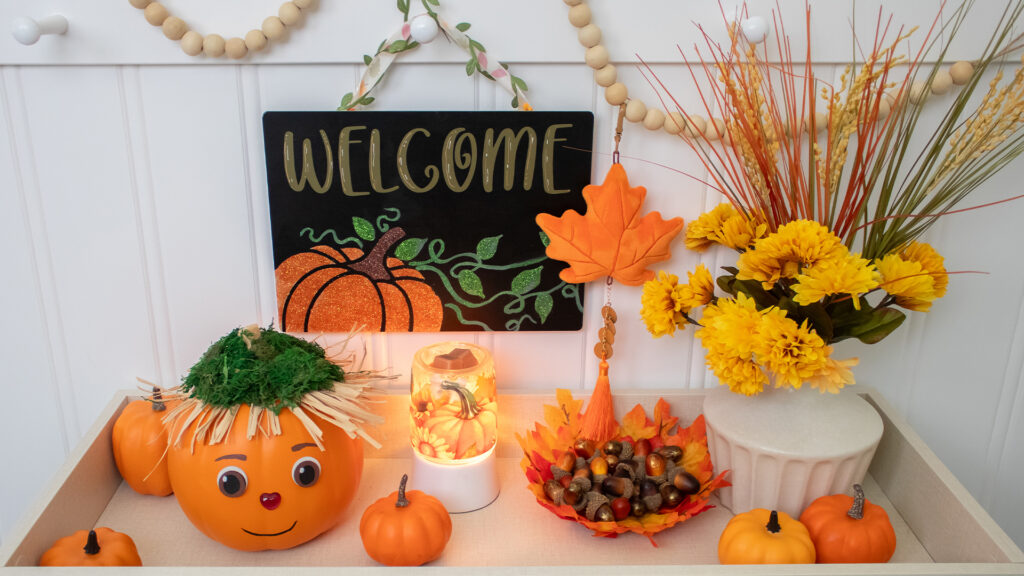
636,425
663,419
612,238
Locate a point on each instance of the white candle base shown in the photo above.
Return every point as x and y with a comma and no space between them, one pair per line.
460,486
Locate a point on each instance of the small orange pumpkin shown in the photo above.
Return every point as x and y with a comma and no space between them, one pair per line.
405,529
99,547
327,290
849,529
469,426
139,442
765,537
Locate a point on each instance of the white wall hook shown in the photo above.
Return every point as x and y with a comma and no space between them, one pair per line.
27,31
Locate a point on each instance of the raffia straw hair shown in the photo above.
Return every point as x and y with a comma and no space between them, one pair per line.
212,392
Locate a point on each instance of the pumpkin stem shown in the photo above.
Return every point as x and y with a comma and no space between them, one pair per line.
402,501
92,544
374,263
158,400
857,510
773,525
469,406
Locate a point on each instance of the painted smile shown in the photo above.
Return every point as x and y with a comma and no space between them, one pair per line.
275,533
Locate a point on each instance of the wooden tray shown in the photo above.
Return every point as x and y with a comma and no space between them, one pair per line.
940,528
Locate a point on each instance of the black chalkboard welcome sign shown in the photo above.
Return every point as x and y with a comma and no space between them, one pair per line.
423,221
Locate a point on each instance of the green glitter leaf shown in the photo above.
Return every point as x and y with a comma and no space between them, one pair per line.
543,305
410,248
367,59
526,280
363,228
462,26
544,238
274,370
470,283
471,66
488,247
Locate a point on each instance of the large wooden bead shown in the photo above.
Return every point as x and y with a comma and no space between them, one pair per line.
918,92
304,4
616,94
255,40
272,27
674,122
289,14
140,4
235,48
579,15
596,57
941,83
961,72
213,45
572,2
695,126
654,119
635,110
156,13
715,129
884,108
192,43
606,76
589,35
174,28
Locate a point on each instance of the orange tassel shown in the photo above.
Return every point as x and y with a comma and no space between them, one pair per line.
599,420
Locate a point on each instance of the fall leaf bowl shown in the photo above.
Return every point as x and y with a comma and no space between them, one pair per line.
650,475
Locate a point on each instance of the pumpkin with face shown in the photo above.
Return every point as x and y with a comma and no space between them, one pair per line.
267,493
256,464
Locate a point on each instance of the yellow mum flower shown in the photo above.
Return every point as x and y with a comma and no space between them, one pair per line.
931,261
796,245
908,281
723,225
834,376
699,291
730,326
661,305
790,352
741,376
705,230
851,275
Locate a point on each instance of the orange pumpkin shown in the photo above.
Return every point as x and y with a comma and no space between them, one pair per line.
268,492
765,537
139,441
468,427
849,529
99,547
329,290
405,529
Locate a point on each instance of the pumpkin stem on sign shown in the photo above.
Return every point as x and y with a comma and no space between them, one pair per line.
469,408
773,525
402,501
857,510
92,544
158,400
374,263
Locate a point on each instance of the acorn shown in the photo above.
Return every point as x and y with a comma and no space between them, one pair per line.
594,502
655,464
584,448
621,508
670,495
637,508
642,448
612,447
559,472
581,473
581,462
650,495
598,465
567,461
672,453
612,460
554,491
565,480
572,493
685,482
615,485
584,483
604,514
624,470
648,488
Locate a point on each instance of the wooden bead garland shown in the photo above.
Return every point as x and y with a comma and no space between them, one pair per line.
215,46
616,93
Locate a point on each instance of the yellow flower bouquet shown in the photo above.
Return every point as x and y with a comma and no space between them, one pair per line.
828,201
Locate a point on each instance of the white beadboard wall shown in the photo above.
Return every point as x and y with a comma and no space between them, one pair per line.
134,217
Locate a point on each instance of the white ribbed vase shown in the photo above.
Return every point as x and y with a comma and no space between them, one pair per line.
786,447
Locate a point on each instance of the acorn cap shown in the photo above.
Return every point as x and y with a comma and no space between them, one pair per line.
627,450
558,472
652,502
584,483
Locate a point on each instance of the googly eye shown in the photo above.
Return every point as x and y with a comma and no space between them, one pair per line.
306,471
232,481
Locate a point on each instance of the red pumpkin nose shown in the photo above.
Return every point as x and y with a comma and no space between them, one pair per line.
270,501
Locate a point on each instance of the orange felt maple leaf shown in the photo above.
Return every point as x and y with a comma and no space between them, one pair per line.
613,238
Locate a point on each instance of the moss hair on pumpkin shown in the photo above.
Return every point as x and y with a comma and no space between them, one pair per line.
272,371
